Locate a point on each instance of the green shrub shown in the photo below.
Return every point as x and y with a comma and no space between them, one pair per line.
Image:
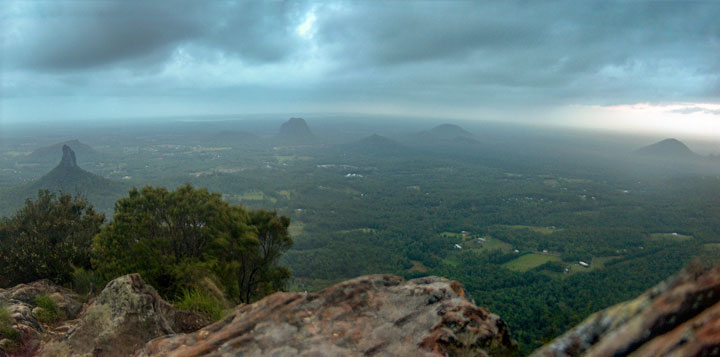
87,282
202,302
49,312
163,234
47,238
6,329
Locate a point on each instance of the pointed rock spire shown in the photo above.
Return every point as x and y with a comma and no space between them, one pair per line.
68,158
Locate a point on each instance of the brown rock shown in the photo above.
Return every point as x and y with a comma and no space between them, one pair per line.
679,317
372,315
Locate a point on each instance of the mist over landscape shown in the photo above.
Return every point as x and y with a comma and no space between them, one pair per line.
554,158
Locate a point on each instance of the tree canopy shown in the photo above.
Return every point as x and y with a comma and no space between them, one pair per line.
47,239
174,239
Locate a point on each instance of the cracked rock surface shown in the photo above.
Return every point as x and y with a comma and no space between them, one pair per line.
376,315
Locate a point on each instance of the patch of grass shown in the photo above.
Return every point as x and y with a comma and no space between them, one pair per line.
284,158
595,264
670,236
49,312
487,244
536,229
361,230
451,260
451,235
202,302
296,228
6,329
418,266
530,261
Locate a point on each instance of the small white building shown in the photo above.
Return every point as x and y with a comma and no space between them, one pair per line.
583,264
457,246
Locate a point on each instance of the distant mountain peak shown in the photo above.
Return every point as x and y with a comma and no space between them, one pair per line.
450,129
68,158
295,129
48,154
668,148
444,132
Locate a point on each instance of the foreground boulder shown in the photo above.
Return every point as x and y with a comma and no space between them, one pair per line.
126,314
370,315
679,317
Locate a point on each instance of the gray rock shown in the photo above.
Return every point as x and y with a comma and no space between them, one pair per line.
126,314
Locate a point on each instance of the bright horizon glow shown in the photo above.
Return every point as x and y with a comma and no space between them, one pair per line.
697,119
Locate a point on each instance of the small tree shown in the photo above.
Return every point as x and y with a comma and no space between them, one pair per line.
47,239
260,275
173,238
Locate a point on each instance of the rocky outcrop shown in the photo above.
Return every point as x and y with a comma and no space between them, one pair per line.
20,304
371,315
679,317
126,314
295,130
68,158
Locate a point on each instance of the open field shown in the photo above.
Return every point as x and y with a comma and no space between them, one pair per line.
536,229
296,228
361,230
595,264
488,244
670,236
418,266
530,261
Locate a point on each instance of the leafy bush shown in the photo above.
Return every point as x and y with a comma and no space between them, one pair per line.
6,329
163,235
49,312
46,239
202,302
87,282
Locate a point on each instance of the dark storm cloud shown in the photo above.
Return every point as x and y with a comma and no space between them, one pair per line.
531,44
71,35
483,53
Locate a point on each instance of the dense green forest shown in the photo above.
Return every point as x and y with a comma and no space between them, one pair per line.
538,235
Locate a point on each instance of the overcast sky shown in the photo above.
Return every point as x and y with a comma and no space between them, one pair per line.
628,64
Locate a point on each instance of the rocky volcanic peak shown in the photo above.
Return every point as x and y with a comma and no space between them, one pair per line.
449,131
679,317
371,315
295,129
667,148
68,158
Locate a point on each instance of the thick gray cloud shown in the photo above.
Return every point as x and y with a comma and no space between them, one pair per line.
466,54
82,35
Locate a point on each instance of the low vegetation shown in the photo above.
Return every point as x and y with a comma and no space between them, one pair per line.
48,312
6,329
201,301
